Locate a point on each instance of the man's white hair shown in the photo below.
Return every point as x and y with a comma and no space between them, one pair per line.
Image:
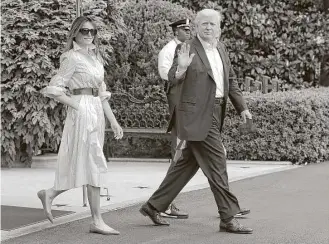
207,12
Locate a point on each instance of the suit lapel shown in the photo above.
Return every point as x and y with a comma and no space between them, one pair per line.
226,72
202,54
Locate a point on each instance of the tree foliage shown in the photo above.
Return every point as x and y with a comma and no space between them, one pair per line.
135,53
282,39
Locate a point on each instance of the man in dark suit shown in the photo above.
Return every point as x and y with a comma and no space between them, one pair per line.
205,87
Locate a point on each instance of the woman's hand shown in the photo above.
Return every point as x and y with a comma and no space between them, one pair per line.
75,102
69,101
246,115
117,130
75,105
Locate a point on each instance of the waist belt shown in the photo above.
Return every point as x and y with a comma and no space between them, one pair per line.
219,100
86,91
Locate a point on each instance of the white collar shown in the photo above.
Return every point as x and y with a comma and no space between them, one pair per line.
207,45
76,46
177,41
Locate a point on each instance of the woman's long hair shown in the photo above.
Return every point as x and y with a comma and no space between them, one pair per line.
76,26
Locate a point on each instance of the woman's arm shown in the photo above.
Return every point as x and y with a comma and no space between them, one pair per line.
117,130
108,112
67,101
56,88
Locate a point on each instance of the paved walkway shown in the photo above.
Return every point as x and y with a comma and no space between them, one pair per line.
129,183
288,207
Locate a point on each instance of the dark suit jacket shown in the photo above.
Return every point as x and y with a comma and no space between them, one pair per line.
193,113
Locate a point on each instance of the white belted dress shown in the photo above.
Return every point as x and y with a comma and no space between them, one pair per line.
81,159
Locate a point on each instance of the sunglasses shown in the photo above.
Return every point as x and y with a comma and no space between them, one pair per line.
85,32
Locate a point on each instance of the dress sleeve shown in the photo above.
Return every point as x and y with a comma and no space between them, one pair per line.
58,83
103,93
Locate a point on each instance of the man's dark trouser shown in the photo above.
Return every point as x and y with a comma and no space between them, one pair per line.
172,99
209,155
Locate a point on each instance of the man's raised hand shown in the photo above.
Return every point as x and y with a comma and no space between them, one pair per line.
184,57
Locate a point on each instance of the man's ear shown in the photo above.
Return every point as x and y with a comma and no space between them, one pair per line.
174,31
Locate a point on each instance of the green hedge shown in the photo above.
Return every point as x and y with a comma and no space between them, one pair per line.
132,146
292,126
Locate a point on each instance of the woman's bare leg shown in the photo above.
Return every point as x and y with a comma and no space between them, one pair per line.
98,225
47,197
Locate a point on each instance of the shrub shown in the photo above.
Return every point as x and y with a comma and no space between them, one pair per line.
134,146
292,126
33,35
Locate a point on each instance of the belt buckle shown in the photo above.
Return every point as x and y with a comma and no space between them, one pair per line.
219,100
94,92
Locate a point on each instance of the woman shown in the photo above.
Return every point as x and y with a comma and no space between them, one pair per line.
80,159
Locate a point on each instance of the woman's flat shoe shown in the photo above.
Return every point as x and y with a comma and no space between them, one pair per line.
109,231
47,209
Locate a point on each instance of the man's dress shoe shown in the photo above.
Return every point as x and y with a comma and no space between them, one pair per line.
174,212
243,211
154,215
234,226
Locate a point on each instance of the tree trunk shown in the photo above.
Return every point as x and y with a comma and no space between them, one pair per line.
324,73
326,6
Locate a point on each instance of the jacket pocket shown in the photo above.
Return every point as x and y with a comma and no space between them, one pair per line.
188,99
187,106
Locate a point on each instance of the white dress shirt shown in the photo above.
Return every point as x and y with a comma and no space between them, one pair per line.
216,65
166,58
